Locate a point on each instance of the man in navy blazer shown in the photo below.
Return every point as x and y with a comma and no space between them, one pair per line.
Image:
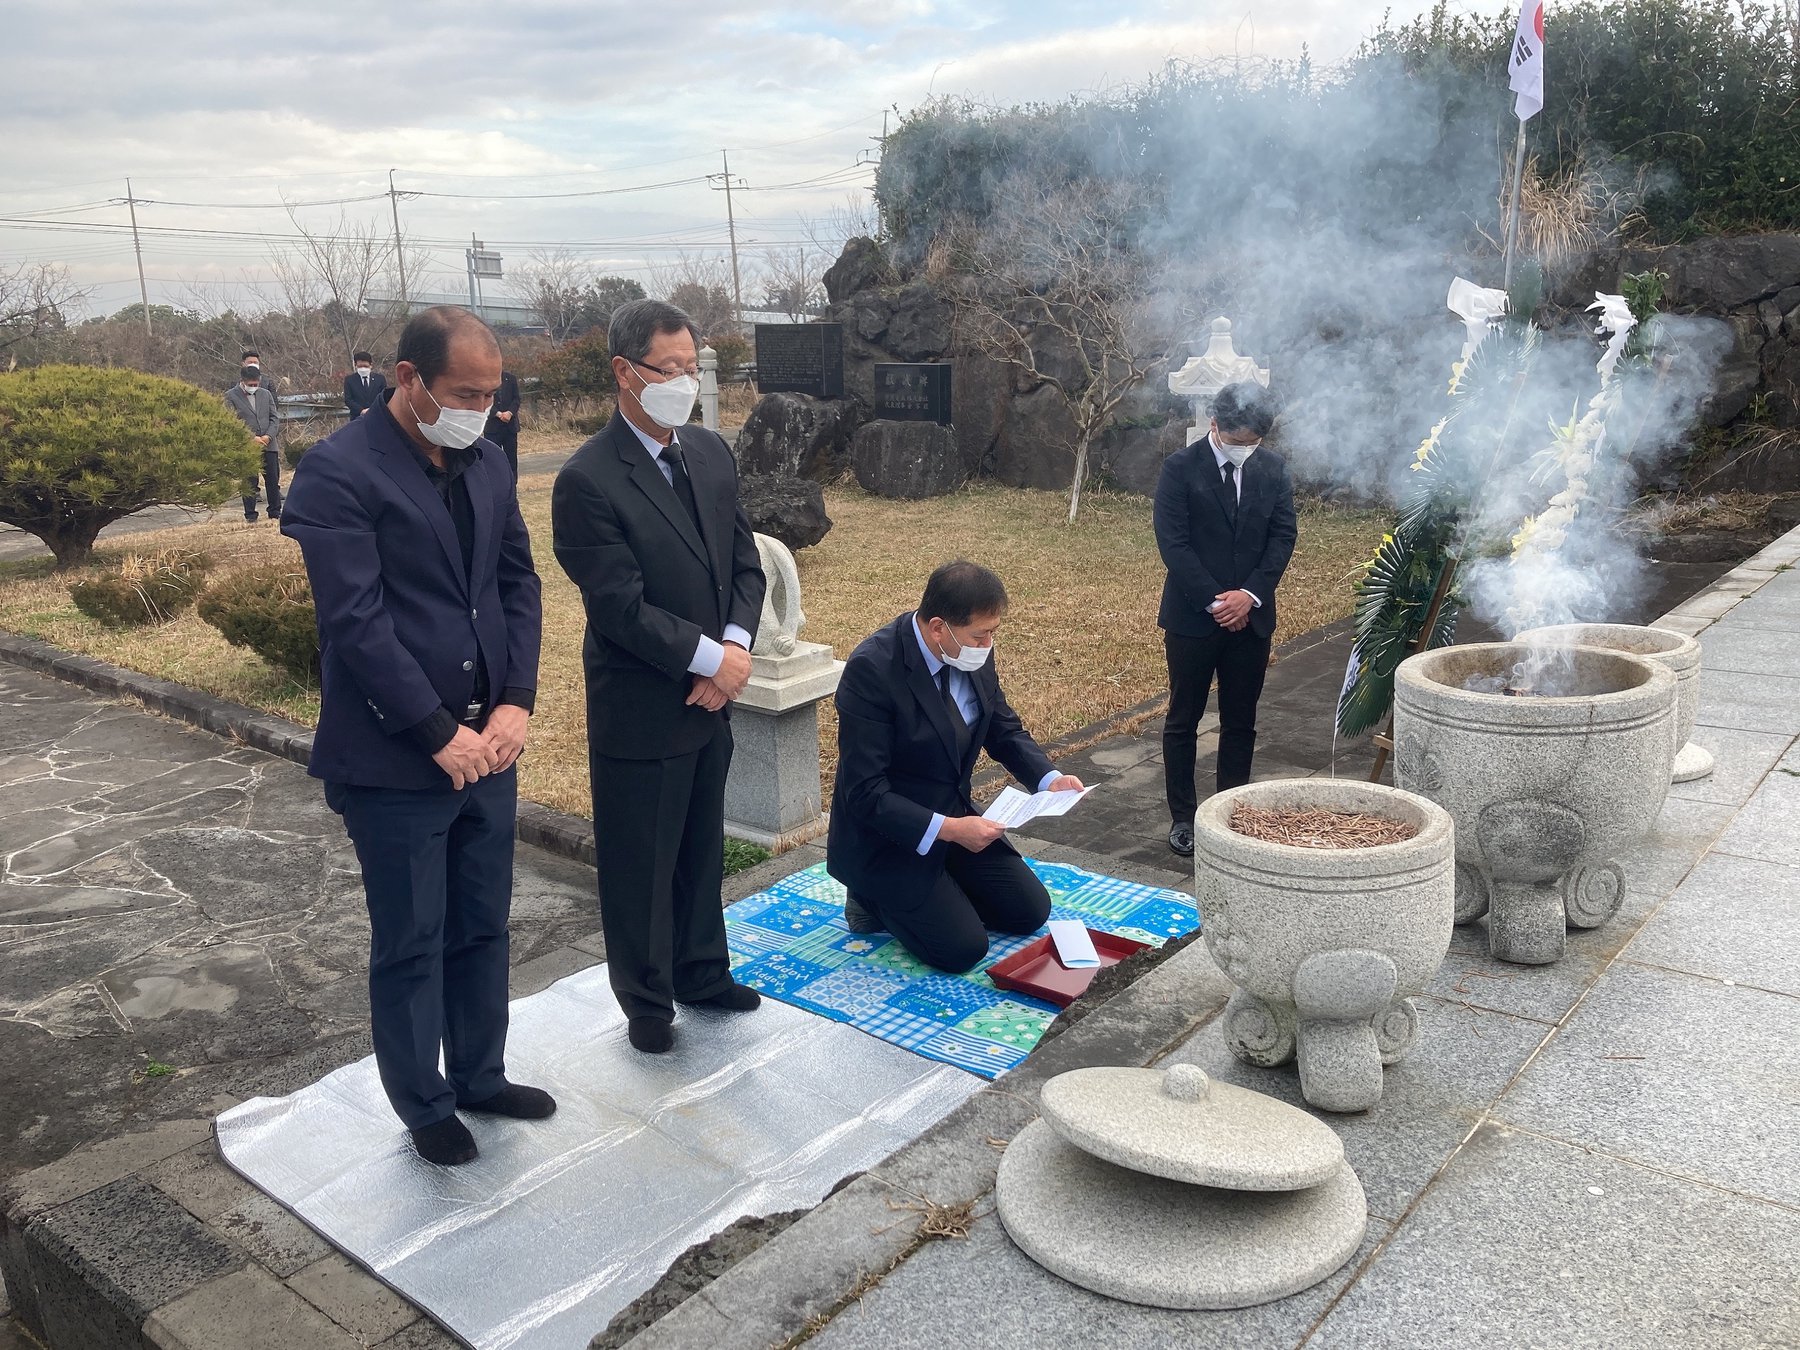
429,619
1225,526
364,386
917,704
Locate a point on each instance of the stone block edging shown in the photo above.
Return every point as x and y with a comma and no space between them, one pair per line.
555,832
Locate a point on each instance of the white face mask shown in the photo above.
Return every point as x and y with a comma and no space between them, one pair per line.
455,428
363,371
670,403
1237,454
969,659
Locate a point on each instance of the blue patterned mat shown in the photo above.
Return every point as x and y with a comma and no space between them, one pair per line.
791,943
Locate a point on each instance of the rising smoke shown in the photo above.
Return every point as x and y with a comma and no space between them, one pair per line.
1326,218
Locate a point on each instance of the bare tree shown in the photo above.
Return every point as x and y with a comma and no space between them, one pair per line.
36,299
554,282
334,273
1057,292
794,281
855,217
699,283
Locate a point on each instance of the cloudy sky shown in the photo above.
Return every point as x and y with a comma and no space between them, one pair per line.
221,114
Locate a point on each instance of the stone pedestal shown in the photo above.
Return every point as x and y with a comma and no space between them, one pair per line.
772,797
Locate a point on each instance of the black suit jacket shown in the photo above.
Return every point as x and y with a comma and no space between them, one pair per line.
357,398
898,766
1205,553
399,619
651,583
506,399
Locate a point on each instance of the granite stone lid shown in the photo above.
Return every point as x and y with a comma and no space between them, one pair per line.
1182,1125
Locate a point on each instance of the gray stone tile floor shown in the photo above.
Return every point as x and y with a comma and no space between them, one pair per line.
1594,1153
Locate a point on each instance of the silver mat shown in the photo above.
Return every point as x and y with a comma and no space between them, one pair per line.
561,1223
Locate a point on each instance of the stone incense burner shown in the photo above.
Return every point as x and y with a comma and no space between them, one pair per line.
1545,787
1677,651
1326,945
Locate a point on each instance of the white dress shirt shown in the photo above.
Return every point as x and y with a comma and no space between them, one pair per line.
1237,483
962,689
708,654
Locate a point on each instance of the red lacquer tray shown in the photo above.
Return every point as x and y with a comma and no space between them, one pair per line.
1036,971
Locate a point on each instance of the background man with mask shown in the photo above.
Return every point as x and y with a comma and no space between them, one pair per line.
1225,526
647,524
363,386
918,702
255,407
429,618
503,419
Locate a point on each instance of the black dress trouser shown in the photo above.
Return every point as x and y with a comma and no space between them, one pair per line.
1241,661
659,847
271,472
948,927
437,871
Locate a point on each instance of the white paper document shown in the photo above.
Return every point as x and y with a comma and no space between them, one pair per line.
1074,944
1013,807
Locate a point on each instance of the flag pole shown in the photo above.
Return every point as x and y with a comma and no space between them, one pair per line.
1512,219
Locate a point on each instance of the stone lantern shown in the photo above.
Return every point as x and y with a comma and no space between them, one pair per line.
1206,374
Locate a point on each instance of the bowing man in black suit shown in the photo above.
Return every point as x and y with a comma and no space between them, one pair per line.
364,386
918,703
647,523
429,618
1226,528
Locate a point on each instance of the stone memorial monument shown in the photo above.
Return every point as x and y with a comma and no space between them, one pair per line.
800,358
773,796
913,392
1173,1189
1204,375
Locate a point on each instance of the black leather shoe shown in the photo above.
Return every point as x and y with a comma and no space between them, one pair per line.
447,1143
515,1100
858,919
1181,839
733,998
652,1035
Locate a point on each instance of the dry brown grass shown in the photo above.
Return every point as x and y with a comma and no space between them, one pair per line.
1707,511
1079,644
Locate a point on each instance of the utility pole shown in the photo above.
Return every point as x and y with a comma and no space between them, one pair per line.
737,286
399,254
137,248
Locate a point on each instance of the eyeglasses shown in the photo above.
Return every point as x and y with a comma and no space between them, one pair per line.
692,372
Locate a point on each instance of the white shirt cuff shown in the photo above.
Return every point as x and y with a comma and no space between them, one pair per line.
735,634
931,834
1049,778
708,657
1255,600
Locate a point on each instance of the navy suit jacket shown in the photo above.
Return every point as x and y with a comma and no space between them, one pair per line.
898,766
1205,553
358,396
399,621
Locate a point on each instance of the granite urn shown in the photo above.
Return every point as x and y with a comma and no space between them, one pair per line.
1552,760
1326,945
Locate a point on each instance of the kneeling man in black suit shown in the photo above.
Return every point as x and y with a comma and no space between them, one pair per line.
918,702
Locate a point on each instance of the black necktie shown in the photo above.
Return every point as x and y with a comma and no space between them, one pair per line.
957,723
1227,476
683,488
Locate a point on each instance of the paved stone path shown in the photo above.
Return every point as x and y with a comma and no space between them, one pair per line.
1594,1153
181,928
